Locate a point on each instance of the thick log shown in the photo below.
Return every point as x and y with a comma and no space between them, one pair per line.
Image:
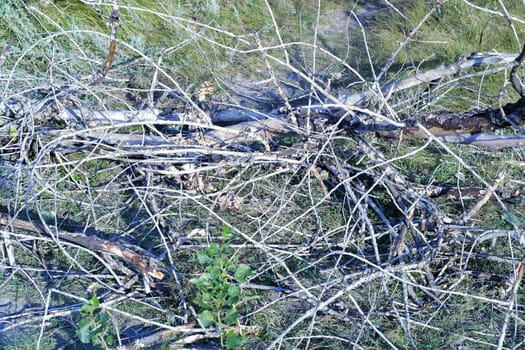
229,116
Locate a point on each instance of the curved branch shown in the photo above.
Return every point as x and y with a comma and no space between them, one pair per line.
462,63
514,78
141,262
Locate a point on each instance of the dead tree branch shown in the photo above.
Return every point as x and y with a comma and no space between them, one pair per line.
517,83
473,60
114,24
92,243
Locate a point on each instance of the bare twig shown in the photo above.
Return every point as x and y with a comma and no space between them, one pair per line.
517,83
485,198
114,24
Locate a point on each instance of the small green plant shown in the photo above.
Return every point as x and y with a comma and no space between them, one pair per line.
93,327
219,292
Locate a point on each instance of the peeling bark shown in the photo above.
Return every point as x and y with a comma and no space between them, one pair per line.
90,242
246,126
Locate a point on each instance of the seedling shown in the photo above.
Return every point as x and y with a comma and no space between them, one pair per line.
219,292
93,327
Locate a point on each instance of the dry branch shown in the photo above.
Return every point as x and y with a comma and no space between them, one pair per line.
490,141
92,243
115,20
462,64
489,193
255,126
247,126
344,234
517,83
464,128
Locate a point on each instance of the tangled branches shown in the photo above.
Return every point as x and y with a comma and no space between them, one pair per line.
351,219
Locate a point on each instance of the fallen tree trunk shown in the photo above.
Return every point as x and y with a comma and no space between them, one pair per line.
246,126
461,128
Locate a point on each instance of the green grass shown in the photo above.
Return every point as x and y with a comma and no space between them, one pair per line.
202,37
457,29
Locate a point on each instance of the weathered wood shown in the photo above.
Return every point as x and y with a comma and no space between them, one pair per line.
89,242
517,83
490,141
462,64
245,126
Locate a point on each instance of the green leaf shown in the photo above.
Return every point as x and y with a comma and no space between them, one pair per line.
13,130
83,332
206,318
91,305
94,301
205,301
234,291
87,308
233,340
110,340
204,281
96,339
232,315
204,259
216,272
243,271
103,318
226,233
214,249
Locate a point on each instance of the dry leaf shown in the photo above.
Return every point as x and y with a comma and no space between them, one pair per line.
230,201
205,90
